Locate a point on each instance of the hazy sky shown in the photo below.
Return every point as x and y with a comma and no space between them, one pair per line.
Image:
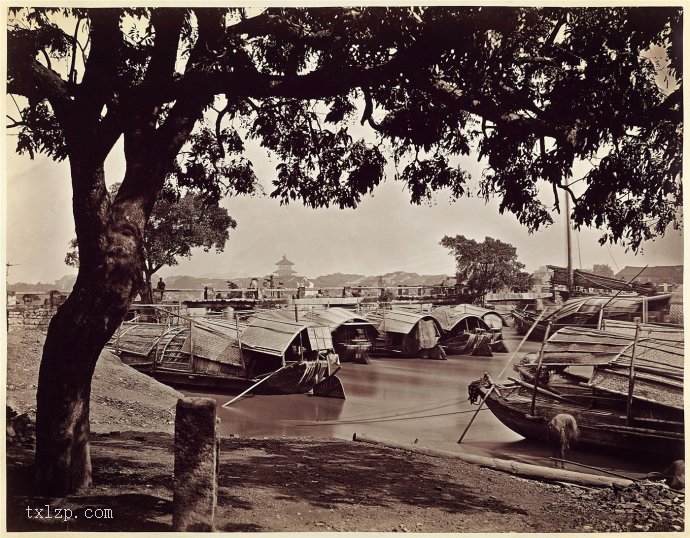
385,233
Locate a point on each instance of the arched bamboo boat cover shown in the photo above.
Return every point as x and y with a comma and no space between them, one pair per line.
422,331
659,356
214,342
491,317
273,336
333,318
452,320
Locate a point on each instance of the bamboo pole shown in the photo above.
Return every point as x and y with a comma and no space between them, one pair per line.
191,345
509,466
462,436
620,291
536,377
631,382
569,279
301,349
256,385
481,404
541,390
601,320
239,342
593,468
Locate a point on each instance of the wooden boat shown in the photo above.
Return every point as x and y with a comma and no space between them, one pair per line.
651,425
467,333
353,335
585,311
407,333
278,356
598,428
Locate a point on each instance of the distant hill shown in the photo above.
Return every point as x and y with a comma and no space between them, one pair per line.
397,278
338,279
223,276
66,283
184,282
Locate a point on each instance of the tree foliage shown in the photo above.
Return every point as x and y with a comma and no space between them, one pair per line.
602,269
532,91
490,266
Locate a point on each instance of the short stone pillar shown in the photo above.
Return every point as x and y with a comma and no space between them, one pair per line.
195,482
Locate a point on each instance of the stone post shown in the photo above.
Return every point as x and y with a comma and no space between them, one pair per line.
196,465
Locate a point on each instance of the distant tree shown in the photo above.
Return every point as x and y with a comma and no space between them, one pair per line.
176,226
602,269
531,91
486,267
521,282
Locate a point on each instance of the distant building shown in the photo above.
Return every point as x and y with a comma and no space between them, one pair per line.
284,268
664,277
541,280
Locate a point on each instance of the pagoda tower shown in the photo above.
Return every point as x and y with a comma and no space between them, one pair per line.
284,267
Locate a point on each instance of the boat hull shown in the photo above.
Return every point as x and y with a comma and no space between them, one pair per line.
298,378
597,429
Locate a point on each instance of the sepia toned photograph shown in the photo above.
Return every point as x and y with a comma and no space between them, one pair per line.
345,268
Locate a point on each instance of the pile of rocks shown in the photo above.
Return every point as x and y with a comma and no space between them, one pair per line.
644,506
650,506
20,428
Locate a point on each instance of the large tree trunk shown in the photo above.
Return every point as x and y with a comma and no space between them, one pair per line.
109,235
76,336
110,274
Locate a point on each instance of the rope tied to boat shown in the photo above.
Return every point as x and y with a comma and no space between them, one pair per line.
474,391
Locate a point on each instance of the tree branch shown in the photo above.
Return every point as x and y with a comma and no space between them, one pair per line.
273,22
33,80
100,74
219,119
49,64
14,123
75,44
167,23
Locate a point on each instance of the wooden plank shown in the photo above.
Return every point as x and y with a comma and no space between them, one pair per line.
509,466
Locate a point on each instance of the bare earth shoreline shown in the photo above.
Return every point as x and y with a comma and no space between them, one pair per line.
295,484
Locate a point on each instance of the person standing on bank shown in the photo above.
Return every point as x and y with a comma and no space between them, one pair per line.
161,288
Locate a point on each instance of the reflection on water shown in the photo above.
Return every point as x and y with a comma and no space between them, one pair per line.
404,400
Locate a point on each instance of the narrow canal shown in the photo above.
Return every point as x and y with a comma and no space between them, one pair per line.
407,400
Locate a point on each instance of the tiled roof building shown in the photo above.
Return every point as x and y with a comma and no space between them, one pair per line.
657,275
284,267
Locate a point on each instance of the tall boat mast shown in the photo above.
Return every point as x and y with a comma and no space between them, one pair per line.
569,244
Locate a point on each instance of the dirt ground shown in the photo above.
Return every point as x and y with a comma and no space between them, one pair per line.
296,484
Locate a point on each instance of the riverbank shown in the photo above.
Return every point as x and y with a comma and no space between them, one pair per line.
297,484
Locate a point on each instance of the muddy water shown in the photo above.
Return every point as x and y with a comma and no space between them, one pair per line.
405,400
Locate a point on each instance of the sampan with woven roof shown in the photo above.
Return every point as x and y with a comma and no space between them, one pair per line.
407,333
276,356
353,335
623,384
466,333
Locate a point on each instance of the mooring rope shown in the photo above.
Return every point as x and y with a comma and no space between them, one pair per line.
376,420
